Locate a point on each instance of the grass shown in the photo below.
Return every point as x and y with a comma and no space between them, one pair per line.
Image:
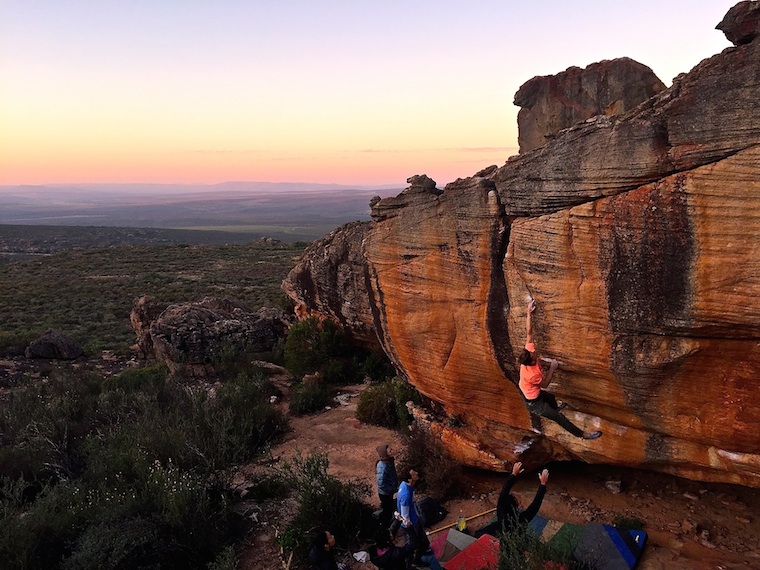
88,293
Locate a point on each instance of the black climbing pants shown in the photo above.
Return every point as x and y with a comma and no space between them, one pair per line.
546,405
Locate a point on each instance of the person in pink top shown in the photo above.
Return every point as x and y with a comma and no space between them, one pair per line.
532,384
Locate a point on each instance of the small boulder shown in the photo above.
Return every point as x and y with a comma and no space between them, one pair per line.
54,345
194,335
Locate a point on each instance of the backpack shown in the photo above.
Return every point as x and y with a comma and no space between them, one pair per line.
430,511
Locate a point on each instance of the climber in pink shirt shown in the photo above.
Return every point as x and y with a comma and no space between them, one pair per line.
532,381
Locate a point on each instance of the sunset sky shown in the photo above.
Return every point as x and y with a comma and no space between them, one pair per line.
351,92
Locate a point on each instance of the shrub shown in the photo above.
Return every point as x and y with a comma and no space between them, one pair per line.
126,543
128,472
323,502
268,487
311,346
375,366
377,406
309,398
231,360
441,475
520,549
225,560
385,404
628,523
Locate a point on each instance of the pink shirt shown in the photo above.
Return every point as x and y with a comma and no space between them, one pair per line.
531,376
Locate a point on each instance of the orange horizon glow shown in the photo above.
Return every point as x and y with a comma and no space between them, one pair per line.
176,93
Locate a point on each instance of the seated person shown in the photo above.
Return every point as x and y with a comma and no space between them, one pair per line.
386,555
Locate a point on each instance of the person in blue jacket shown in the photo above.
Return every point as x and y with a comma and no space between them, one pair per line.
387,483
411,522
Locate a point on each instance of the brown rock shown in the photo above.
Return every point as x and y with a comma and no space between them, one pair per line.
706,115
330,281
741,24
54,345
194,336
555,102
637,236
145,310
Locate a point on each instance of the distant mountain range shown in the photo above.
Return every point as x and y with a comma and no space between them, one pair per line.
288,211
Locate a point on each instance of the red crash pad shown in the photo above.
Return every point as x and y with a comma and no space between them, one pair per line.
480,555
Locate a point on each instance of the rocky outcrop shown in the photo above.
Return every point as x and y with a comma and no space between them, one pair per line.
331,281
195,336
145,310
741,23
636,234
555,102
54,345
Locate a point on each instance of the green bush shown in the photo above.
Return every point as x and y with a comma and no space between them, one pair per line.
267,487
622,522
127,472
323,502
385,404
375,366
312,345
520,549
441,475
126,543
309,398
323,347
225,560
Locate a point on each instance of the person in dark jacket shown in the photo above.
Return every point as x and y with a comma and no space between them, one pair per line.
508,513
387,483
320,555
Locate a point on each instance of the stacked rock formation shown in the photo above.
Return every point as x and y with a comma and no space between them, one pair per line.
636,234
193,337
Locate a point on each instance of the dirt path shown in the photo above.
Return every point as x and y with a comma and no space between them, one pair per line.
692,526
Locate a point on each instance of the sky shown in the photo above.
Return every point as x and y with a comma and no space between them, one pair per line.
349,92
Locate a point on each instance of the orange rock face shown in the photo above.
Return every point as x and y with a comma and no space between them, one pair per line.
637,235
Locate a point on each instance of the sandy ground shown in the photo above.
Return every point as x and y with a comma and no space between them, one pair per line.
691,525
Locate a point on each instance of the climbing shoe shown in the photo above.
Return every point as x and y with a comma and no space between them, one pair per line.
592,435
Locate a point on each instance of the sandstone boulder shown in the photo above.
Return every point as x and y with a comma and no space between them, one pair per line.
145,310
54,345
331,281
195,335
555,102
636,234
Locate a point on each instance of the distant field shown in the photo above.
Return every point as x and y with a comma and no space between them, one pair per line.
88,293
294,212
24,242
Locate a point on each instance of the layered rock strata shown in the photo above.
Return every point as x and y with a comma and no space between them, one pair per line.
555,102
636,234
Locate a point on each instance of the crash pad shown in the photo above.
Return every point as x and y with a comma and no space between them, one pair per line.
483,554
452,544
607,548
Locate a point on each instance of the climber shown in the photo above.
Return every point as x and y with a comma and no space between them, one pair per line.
532,381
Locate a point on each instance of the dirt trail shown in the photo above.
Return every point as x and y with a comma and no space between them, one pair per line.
692,526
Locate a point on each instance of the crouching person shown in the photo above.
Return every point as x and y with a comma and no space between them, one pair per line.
320,555
386,555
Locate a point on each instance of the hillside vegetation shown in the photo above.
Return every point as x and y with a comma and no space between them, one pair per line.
88,293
